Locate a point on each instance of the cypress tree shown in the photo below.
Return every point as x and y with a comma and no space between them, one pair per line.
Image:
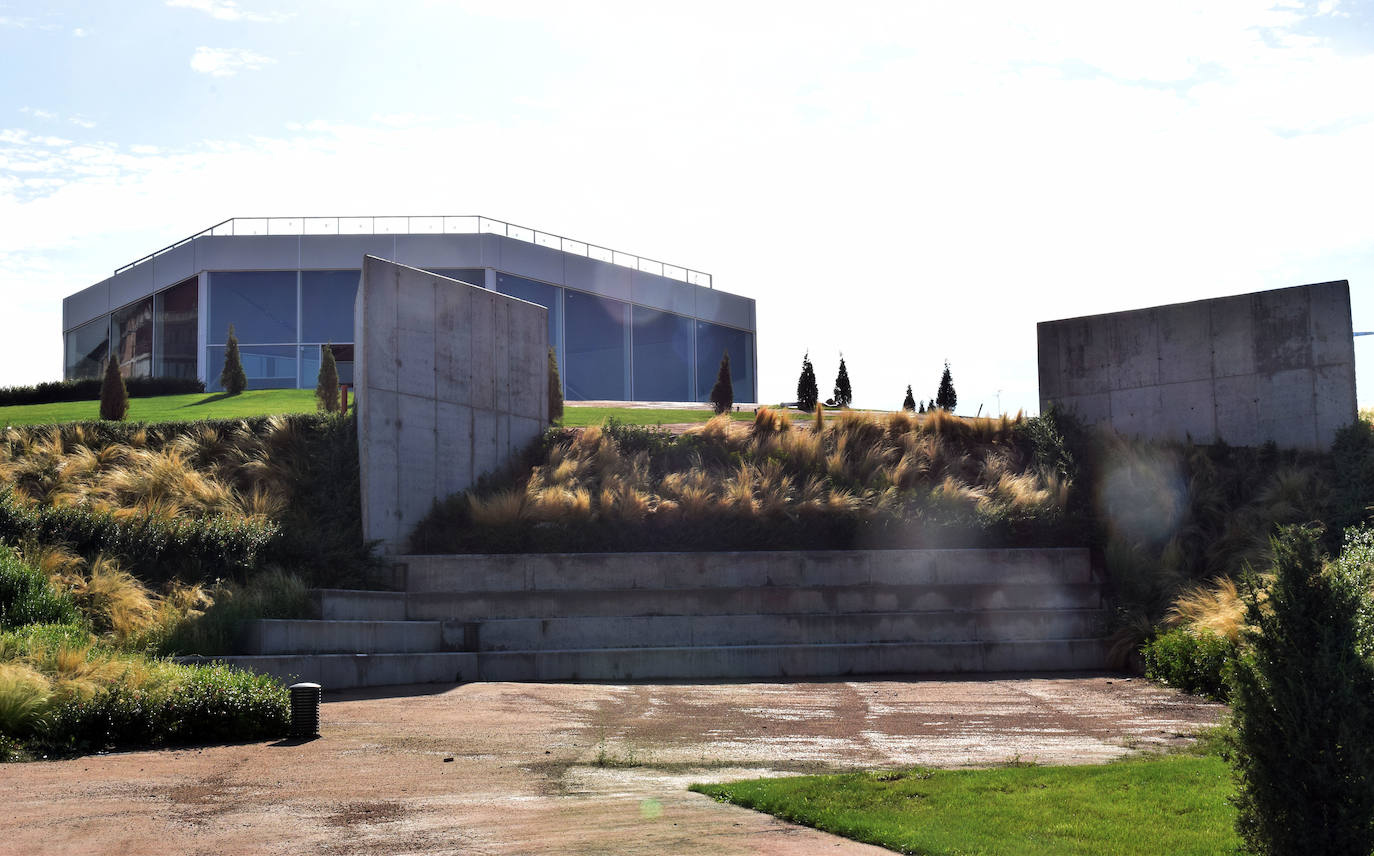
923,408
807,391
946,398
232,377
843,393
909,403
327,386
1304,727
114,395
723,393
555,389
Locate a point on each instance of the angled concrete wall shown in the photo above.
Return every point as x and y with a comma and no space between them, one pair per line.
451,380
1272,365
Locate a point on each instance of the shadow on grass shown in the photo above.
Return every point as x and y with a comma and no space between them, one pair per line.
210,399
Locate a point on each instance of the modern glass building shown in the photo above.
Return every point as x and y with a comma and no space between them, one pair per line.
624,327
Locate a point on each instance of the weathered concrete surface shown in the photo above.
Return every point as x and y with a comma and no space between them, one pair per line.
1272,365
451,380
567,768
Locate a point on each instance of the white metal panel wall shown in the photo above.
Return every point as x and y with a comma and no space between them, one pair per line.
86,305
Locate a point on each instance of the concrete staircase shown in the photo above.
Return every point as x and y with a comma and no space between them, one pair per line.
627,616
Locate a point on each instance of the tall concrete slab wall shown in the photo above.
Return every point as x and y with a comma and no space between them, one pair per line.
451,380
1272,365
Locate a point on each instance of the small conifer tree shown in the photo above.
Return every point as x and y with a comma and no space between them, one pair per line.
946,398
327,386
807,392
922,408
114,395
843,393
1304,727
555,389
231,377
909,403
723,393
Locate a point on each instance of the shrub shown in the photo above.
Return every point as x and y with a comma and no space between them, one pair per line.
807,392
28,597
232,377
1195,662
1354,569
723,393
327,385
844,394
1303,754
114,396
88,389
555,389
269,594
946,398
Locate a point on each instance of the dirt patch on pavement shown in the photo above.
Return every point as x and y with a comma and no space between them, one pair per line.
568,768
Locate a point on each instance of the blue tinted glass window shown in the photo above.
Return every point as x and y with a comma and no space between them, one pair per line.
87,348
662,356
175,316
713,340
327,305
597,347
472,276
267,366
260,304
131,331
535,292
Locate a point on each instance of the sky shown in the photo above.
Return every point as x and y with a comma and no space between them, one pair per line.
902,183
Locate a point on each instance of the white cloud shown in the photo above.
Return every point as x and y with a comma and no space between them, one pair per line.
80,32
38,114
226,62
228,10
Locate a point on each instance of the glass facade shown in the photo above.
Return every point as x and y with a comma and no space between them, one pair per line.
713,340
597,344
662,356
607,349
131,338
175,330
87,348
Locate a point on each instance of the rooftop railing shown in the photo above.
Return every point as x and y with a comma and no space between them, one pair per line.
465,225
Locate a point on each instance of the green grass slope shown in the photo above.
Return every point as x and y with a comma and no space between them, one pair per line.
169,408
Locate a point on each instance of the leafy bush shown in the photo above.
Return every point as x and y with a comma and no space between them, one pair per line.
209,704
1354,569
88,389
159,548
1303,753
27,596
1195,662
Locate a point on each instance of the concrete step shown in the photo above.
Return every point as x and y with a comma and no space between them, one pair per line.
300,636
357,605
536,634
793,661
346,671
616,571
475,606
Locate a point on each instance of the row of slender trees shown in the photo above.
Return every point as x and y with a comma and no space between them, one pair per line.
808,394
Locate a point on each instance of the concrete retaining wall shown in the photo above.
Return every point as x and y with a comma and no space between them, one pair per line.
451,380
1272,365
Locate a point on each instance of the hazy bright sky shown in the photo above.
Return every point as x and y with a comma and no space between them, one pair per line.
905,182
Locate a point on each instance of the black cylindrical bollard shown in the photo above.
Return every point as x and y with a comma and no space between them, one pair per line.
305,710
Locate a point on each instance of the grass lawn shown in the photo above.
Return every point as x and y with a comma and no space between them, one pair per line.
1174,804
170,408
575,416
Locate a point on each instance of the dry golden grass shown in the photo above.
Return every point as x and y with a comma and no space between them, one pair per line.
857,464
1216,607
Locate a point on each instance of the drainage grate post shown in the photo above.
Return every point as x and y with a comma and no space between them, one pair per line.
305,710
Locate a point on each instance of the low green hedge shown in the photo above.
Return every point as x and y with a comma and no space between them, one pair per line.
88,389
154,548
28,597
216,704
1195,662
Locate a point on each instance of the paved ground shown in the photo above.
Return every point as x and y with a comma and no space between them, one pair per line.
498,768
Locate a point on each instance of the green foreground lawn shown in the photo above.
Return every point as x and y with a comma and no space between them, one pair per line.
170,408
575,416
261,402
1173,805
